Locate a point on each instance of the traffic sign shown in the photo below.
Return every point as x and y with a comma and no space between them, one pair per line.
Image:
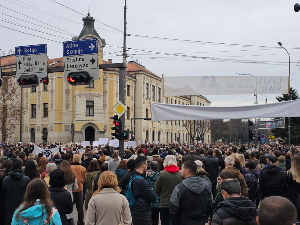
262,140
31,61
262,136
81,56
119,109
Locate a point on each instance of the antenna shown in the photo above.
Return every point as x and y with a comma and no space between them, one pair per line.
88,7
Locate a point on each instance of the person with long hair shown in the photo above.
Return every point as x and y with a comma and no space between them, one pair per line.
262,163
114,162
42,164
59,195
30,170
2,199
116,210
37,207
121,169
71,183
92,171
293,180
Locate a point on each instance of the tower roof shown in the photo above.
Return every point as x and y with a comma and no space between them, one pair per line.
89,29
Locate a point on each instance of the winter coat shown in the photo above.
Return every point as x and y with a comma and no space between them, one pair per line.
219,198
152,177
124,181
235,211
211,165
70,188
62,201
191,156
159,161
115,205
293,189
191,202
203,174
80,172
57,162
282,162
298,208
272,182
252,178
2,202
221,162
85,163
96,181
112,165
167,180
120,173
35,216
288,163
142,193
14,187
163,155
89,178
237,174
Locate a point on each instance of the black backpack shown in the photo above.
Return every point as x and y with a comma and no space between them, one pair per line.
252,187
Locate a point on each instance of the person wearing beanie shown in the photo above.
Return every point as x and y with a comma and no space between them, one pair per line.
124,181
80,172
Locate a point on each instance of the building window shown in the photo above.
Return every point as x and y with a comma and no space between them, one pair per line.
175,102
33,110
45,87
45,109
128,90
147,90
159,94
167,100
90,85
128,113
197,103
33,89
153,93
89,108
147,113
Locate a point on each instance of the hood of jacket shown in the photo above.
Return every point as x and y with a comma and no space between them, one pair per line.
281,158
239,207
16,173
152,175
201,171
272,169
235,172
102,158
171,169
34,212
194,184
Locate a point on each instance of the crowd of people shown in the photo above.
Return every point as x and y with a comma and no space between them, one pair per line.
176,184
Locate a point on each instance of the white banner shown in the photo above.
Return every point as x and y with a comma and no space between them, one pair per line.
132,144
225,85
167,112
85,143
103,141
48,153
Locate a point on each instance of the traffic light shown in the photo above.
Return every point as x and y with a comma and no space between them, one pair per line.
28,81
79,78
125,135
117,126
250,135
250,123
45,80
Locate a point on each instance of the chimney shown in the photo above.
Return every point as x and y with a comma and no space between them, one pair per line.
110,61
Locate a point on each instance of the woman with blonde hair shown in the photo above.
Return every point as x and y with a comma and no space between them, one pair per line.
116,210
242,159
293,180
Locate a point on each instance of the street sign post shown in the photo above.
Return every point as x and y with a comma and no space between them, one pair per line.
31,64
80,56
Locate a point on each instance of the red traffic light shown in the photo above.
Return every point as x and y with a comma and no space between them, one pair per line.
28,81
79,78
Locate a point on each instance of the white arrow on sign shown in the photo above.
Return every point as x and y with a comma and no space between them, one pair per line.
19,50
92,47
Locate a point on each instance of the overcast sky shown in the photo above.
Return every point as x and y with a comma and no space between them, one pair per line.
250,24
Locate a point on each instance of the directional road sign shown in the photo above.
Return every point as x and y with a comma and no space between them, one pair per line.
81,56
119,109
31,60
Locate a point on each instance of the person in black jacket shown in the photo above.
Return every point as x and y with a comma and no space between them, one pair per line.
191,155
86,160
191,202
59,195
14,187
124,181
2,199
273,181
234,209
211,165
142,193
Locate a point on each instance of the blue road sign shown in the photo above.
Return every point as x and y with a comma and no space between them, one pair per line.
31,50
82,47
262,140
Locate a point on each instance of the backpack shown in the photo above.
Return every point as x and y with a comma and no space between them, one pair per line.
252,187
129,195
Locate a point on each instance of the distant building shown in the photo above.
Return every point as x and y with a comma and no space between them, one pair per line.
65,113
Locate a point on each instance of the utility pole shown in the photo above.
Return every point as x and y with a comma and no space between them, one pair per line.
122,72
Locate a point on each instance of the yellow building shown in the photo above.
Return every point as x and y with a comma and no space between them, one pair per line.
64,113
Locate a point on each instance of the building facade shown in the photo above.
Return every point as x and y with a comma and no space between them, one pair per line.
64,113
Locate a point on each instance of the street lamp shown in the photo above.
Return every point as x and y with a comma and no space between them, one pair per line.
289,128
131,132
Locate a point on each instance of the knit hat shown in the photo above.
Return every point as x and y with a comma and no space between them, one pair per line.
76,158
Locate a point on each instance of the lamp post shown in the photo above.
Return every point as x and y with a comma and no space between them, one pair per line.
289,127
131,132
